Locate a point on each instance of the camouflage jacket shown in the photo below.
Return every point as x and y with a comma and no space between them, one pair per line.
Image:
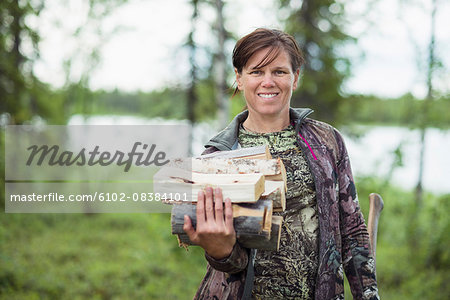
343,237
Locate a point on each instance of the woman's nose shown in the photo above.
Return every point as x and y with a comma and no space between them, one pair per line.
267,80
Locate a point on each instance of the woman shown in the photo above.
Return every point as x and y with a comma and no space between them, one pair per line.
323,230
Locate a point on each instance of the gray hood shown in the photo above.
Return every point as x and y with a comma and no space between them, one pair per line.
227,139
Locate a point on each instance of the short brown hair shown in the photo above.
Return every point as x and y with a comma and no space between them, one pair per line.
263,38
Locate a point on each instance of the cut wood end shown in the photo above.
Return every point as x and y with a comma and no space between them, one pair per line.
182,245
277,222
267,220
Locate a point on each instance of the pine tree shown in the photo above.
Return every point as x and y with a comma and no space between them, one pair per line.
317,27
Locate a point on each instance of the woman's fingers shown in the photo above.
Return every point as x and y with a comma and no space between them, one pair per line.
200,208
209,208
229,215
214,231
218,206
189,229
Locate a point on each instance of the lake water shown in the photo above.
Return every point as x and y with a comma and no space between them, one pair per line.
372,153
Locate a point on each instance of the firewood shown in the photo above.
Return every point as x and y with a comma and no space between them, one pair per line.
251,221
257,242
241,175
275,191
171,182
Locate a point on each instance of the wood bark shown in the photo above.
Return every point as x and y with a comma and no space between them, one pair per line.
258,152
218,165
273,244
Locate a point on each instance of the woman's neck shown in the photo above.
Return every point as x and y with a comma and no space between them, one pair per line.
265,124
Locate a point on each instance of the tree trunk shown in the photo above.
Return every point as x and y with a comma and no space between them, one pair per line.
429,98
192,98
220,69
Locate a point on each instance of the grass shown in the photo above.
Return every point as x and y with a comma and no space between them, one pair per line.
104,256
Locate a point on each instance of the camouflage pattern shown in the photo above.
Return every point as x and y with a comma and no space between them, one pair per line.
291,271
343,238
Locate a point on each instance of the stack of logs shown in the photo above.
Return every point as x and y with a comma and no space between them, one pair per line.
255,183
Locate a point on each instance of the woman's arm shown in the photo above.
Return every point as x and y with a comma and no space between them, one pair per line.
359,264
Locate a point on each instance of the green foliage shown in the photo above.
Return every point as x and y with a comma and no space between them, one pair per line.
168,103
237,104
403,111
171,103
206,107
23,96
317,27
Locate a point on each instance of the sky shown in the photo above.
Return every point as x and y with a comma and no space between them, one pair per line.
145,53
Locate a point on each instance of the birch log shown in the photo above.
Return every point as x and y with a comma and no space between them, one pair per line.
258,152
218,165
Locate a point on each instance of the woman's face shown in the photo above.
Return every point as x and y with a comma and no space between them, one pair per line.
268,90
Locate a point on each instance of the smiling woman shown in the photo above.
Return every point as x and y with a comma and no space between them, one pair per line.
320,198
267,89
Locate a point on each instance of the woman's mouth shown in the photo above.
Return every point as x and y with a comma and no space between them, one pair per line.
267,95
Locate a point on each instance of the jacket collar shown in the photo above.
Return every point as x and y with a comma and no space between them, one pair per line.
227,139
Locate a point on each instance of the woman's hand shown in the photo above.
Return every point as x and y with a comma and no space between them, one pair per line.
214,232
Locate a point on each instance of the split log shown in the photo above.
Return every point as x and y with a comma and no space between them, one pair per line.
219,165
258,152
263,207
273,244
169,181
251,221
277,223
275,191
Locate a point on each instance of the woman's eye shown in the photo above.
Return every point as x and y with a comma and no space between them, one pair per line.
256,72
280,72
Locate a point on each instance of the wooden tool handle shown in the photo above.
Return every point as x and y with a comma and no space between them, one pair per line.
376,206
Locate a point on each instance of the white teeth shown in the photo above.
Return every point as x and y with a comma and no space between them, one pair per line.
267,95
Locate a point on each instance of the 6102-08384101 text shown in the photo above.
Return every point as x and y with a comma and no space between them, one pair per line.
96,196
